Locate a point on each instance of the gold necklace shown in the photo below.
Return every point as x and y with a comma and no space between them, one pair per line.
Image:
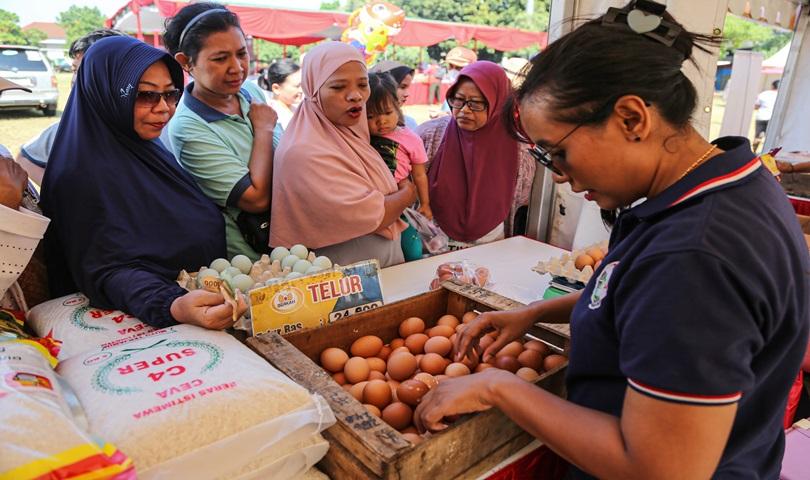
698,162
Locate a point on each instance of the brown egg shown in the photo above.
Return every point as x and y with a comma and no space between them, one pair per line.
438,345
418,358
482,366
537,345
456,370
375,375
528,374
596,253
340,378
531,358
377,364
596,265
385,351
416,343
357,391
396,343
356,369
401,365
394,385
411,392
373,410
448,320
485,341
427,379
403,348
409,429
460,327
469,317
334,359
433,363
511,349
367,346
583,261
413,438
377,393
553,361
441,331
506,362
398,415
410,326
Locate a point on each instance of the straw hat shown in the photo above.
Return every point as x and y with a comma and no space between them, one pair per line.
460,57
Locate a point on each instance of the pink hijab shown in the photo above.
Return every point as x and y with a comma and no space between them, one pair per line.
329,183
472,175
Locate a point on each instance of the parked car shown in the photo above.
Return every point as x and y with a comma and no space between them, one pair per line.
28,67
62,65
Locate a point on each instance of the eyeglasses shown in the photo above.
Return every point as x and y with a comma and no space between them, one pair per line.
147,98
542,155
475,105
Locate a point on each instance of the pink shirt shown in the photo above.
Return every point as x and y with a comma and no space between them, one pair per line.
411,151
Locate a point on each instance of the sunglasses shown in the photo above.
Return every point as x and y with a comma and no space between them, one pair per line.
460,103
150,99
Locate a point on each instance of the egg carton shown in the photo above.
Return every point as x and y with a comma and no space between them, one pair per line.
564,265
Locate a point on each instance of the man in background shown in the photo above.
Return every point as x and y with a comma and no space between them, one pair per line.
764,111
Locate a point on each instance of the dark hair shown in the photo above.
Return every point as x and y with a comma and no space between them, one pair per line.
81,44
277,73
775,84
383,92
583,73
197,33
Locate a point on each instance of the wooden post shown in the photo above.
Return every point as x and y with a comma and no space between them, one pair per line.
284,51
475,45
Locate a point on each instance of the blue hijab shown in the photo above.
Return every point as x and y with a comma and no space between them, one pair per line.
125,217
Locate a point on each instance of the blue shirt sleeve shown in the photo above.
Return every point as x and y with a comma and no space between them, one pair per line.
141,293
688,329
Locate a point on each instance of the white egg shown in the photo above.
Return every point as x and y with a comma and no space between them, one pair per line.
242,282
273,281
220,264
289,261
322,262
243,263
293,275
301,266
313,269
205,273
299,251
230,272
278,253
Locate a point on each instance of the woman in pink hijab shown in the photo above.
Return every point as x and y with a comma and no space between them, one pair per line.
478,173
331,190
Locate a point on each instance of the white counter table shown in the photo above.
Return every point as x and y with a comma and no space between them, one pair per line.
510,263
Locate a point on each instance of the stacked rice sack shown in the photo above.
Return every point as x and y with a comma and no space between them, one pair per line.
184,402
41,434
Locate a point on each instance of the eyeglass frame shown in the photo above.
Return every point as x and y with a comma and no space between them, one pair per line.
167,96
467,103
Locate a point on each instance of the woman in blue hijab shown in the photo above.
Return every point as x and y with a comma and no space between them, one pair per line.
125,217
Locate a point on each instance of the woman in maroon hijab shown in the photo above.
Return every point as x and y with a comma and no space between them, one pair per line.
479,176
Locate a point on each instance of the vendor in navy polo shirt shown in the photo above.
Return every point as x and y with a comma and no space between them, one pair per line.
686,340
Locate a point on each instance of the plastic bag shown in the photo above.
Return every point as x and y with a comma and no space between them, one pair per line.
433,238
464,272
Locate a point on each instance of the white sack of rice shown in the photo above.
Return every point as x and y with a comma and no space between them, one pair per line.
38,435
186,402
82,327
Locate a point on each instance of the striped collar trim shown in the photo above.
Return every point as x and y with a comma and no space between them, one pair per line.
749,168
678,397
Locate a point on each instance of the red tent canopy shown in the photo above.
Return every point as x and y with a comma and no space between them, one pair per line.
299,27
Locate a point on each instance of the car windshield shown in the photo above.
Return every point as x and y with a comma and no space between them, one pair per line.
14,60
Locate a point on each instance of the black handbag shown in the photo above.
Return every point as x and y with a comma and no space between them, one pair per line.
255,228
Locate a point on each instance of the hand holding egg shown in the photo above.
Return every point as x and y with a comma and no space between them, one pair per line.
505,327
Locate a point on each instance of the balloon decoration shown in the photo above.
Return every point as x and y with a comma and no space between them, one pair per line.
371,26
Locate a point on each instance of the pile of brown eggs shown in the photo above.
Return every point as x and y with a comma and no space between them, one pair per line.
391,379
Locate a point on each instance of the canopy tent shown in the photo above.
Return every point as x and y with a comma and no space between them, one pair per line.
300,27
775,65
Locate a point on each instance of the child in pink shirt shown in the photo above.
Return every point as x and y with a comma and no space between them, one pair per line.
402,150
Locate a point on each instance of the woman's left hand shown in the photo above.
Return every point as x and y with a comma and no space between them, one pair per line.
455,396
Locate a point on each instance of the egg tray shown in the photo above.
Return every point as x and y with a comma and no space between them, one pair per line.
563,266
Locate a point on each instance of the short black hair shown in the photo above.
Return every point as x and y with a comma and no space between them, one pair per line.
383,89
196,35
583,73
81,44
278,73
775,84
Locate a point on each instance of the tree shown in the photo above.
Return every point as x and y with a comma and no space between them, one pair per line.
740,32
79,21
268,52
12,34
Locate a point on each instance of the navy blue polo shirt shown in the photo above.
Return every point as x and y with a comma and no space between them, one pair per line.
702,299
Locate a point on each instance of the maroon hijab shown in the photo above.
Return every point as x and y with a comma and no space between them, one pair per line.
472,176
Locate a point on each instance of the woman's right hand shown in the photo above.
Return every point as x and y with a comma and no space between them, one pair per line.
263,117
206,309
509,326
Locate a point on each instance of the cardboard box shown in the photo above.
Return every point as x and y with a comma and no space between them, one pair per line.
316,300
362,445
